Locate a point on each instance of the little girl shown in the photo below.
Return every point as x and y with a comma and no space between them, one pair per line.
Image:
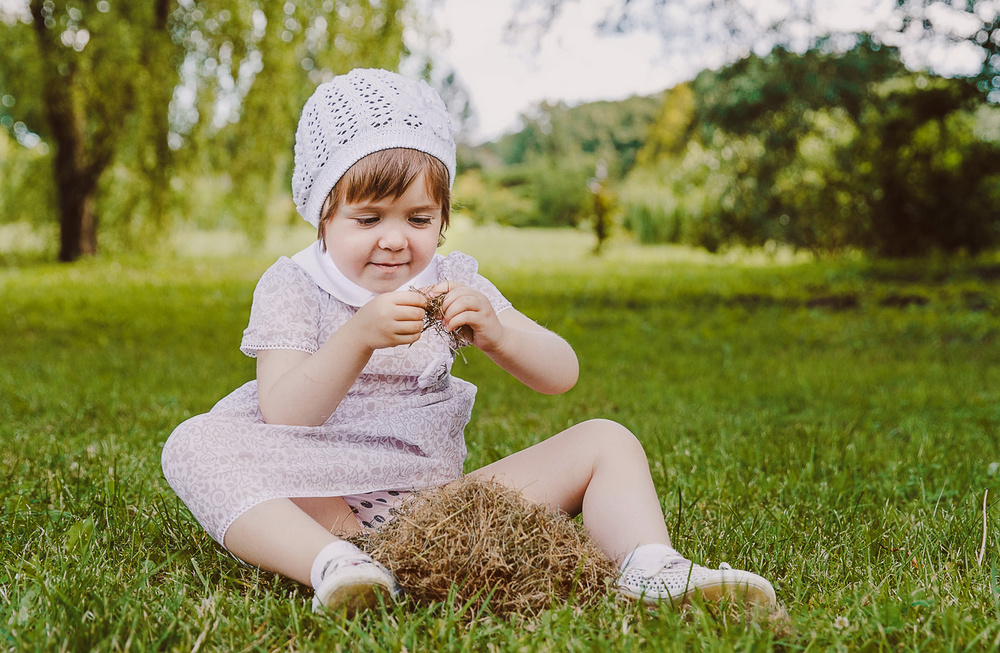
354,406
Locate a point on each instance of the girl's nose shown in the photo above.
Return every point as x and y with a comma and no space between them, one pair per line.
392,239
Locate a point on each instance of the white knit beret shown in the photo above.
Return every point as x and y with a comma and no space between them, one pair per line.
359,113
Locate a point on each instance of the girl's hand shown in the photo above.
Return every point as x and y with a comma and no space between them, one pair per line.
466,307
298,388
391,319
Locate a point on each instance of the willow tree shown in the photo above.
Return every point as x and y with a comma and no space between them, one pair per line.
143,85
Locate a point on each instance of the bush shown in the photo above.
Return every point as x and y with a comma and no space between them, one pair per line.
826,152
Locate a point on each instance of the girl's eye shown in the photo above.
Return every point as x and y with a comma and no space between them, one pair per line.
367,221
421,220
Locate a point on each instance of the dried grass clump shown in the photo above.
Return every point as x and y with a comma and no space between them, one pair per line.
482,542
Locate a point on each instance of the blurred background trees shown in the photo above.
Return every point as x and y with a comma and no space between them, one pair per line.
825,151
546,173
123,120
826,141
130,113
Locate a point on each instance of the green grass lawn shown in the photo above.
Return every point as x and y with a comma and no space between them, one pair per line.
830,425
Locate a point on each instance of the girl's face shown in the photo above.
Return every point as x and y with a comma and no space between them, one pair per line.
382,244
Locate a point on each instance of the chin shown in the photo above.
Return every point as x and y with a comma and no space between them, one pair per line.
384,285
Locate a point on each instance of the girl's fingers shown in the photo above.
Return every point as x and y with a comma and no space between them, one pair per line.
410,298
466,309
410,313
408,326
441,288
458,297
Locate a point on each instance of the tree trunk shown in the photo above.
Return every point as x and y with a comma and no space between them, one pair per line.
158,165
76,183
77,219
75,173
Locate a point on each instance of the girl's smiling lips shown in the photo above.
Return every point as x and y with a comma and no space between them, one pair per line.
389,266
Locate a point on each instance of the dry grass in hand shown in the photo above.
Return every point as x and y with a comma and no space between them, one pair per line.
485,542
433,316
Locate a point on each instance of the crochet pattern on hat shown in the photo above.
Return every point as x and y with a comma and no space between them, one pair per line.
359,113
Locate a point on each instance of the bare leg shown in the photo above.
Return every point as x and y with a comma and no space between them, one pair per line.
332,513
286,535
597,468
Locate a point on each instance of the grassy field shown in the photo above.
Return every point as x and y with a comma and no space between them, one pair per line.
831,425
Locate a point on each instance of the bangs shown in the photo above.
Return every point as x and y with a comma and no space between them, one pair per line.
388,173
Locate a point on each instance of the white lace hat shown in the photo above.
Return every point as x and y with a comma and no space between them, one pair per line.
356,114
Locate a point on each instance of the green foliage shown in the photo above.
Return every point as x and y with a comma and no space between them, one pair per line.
26,193
611,130
743,97
856,488
79,77
544,173
820,151
535,194
487,199
931,183
561,195
823,151
651,223
167,96
672,128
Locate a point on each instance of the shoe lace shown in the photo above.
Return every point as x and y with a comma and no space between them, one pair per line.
667,564
345,561
679,563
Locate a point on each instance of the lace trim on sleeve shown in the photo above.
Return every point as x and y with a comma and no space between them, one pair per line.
251,348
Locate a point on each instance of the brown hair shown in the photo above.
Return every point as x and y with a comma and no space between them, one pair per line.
388,173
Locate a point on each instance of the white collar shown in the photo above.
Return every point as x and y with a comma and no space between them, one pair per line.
327,276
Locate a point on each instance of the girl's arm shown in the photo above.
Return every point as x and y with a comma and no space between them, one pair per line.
301,389
532,354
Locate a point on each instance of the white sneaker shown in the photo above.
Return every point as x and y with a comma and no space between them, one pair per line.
353,582
677,580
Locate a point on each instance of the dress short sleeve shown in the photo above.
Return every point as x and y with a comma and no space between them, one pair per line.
285,312
465,269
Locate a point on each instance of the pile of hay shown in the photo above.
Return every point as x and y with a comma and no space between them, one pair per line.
481,542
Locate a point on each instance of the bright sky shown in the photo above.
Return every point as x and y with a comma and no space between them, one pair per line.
574,63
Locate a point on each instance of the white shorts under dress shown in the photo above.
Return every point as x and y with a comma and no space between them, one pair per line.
400,427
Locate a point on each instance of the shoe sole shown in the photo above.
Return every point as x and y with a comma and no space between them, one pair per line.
747,593
353,594
743,592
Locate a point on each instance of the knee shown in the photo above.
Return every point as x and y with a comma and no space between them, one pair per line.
611,438
172,455
184,452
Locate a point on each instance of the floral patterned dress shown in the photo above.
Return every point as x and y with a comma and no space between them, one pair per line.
399,427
